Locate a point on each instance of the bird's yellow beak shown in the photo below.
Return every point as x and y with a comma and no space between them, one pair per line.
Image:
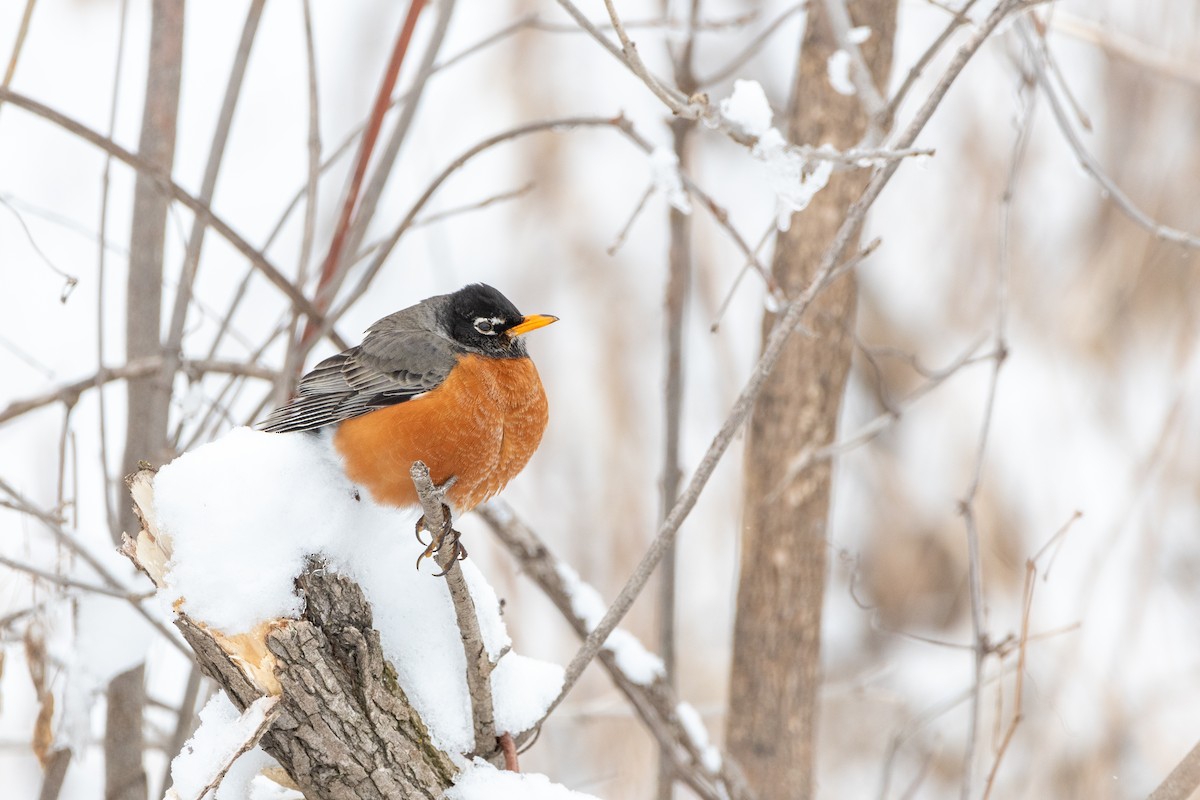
531,323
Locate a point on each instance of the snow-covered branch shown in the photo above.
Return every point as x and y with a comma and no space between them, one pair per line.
637,673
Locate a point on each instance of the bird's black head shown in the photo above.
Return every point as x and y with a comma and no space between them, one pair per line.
485,321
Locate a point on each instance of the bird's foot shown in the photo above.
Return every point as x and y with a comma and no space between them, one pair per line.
422,526
438,540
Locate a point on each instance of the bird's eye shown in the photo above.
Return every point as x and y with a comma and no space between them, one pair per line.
485,326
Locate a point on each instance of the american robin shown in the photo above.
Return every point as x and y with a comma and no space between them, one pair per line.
448,382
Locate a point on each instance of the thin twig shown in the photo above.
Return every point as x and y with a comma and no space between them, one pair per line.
382,99
1125,47
809,456
672,98
967,505
753,47
139,368
110,513
655,702
873,106
1109,187
387,158
256,258
960,19
19,43
70,583
499,197
69,281
208,185
62,537
679,276
619,239
1019,690
291,369
270,708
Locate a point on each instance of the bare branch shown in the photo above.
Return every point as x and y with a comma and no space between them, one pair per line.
330,269
387,158
69,394
860,74
256,258
70,583
619,239
960,19
1183,779
65,539
208,185
1041,61
655,702
479,665
787,322
753,47
266,707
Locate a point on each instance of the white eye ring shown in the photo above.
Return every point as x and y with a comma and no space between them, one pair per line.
487,325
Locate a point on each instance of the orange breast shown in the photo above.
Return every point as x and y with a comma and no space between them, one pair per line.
480,427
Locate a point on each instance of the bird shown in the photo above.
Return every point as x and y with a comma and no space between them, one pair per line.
447,381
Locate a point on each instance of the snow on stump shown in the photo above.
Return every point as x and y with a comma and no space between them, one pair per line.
288,582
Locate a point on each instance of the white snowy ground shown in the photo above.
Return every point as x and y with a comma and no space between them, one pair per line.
244,514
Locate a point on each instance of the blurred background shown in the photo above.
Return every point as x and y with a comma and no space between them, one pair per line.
1093,460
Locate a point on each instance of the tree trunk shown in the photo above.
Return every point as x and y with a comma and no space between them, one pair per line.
124,775
776,657
149,398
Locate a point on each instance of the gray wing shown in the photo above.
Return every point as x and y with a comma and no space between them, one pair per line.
392,365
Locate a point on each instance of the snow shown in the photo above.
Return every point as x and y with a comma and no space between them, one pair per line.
246,511
266,789
639,665
522,689
794,179
689,718
859,35
481,781
586,603
838,67
110,637
747,108
665,167
244,775
222,733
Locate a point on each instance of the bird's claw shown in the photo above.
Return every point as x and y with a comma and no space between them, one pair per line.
423,526
436,542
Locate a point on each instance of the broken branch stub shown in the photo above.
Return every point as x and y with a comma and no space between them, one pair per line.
344,728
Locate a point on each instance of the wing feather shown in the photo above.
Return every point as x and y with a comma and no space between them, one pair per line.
391,366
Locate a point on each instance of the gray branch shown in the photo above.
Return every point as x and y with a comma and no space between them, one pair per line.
479,665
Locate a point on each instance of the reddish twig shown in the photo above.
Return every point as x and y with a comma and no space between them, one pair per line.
370,135
509,748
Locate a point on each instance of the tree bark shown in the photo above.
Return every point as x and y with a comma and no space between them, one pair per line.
345,730
124,775
343,727
149,398
776,658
